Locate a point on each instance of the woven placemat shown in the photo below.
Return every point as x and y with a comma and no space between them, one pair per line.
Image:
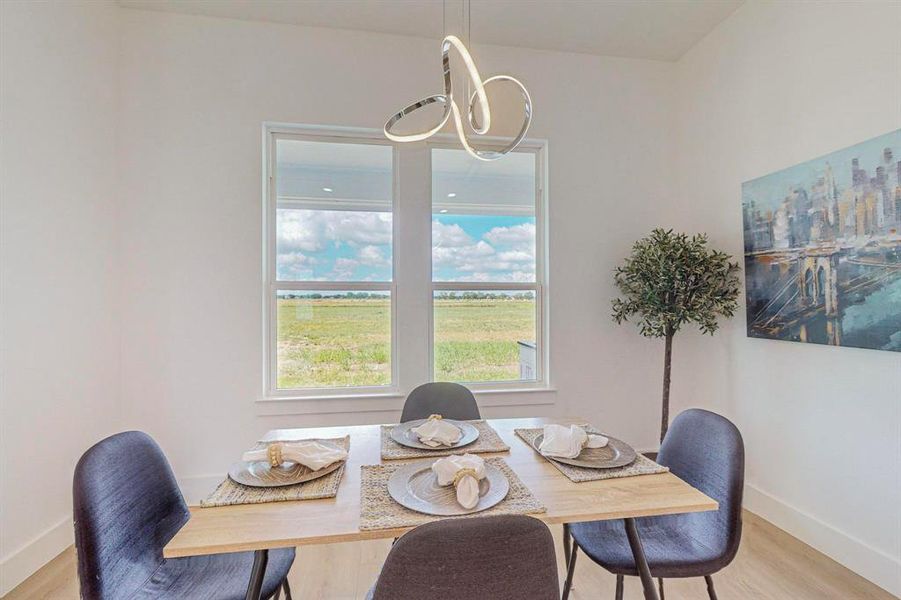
230,492
488,441
378,510
641,466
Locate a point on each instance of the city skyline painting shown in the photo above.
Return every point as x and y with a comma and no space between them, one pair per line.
823,249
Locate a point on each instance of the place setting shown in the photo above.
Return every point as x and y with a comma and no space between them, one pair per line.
438,436
282,471
583,453
410,494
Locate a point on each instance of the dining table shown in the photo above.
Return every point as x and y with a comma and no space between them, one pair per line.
262,527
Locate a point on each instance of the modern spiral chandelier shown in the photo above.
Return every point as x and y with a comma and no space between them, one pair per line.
479,127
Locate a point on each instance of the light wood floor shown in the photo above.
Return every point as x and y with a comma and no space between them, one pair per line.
770,565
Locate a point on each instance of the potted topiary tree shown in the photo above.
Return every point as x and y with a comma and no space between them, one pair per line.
672,279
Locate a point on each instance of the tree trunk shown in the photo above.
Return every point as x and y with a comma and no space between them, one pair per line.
667,362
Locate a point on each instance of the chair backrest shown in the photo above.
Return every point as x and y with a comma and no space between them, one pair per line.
127,506
706,450
450,400
507,557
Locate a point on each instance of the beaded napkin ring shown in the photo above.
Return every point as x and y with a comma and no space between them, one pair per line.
435,416
274,452
463,473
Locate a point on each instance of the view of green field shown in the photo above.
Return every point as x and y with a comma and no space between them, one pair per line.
327,342
476,339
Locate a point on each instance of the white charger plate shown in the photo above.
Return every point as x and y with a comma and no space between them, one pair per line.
616,453
259,473
403,435
416,487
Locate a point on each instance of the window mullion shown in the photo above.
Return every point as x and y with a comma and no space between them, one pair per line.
413,264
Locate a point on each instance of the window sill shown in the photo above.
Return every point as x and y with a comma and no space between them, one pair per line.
392,401
320,397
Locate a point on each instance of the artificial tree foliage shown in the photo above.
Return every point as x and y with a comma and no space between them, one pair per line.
670,280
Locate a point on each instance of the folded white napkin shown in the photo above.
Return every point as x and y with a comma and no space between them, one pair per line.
464,472
438,432
567,442
312,454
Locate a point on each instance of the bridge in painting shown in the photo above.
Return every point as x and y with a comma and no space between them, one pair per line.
817,282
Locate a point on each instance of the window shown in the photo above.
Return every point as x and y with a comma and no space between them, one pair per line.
331,286
485,268
391,265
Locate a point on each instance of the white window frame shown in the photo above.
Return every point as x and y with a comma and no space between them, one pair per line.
412,348
272,285
539,286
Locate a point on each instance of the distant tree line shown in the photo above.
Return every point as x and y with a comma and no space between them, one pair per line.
383,295
484,296
336,295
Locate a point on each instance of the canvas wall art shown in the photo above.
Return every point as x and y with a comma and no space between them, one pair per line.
823,249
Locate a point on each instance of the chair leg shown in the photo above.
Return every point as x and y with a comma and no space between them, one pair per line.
660,584
257,574
619,587
710,591
278,591
567,543
570,569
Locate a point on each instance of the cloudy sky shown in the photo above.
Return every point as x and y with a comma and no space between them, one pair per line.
319,245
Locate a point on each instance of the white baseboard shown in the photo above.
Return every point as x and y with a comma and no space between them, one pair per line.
870,563
18,565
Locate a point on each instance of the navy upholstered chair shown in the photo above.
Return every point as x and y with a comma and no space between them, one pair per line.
450,400
705,450
508,557
127,506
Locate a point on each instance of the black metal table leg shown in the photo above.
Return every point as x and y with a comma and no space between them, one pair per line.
647,582
257,574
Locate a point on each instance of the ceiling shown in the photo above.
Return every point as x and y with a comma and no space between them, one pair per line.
652,29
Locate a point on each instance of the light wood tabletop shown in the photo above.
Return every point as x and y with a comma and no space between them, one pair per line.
287,524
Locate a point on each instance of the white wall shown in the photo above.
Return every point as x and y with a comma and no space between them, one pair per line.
774,85
195,92
59,343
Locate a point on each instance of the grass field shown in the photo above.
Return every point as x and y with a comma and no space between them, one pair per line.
345,342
